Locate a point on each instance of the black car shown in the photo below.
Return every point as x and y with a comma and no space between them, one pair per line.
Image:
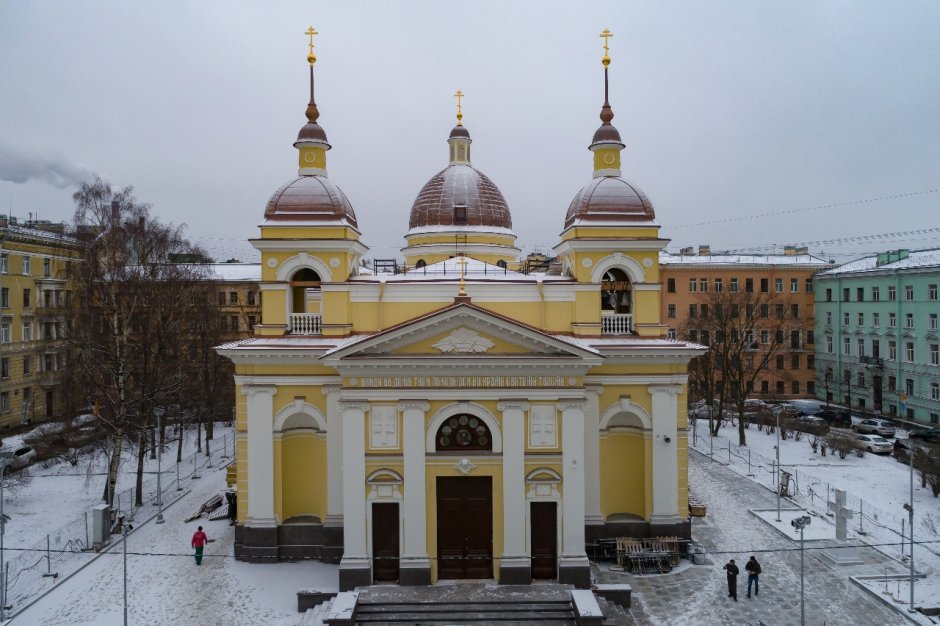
931,435
836,417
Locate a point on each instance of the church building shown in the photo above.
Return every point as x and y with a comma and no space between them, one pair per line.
458,413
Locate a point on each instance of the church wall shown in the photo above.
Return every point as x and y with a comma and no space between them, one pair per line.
273,305
625,473
300,473
472,238
682,448
308,233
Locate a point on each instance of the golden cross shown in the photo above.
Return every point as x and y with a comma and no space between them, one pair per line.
462,262
606,34
311,57
459,95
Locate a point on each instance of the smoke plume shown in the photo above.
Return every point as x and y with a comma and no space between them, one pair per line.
17,167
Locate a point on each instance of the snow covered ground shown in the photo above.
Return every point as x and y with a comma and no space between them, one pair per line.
877,488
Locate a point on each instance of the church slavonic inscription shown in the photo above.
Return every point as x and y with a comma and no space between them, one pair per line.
473,382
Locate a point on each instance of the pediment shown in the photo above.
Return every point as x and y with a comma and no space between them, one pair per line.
461,331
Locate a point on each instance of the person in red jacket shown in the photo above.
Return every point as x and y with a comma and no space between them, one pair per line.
199,542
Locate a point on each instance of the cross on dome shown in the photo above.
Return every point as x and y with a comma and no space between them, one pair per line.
311,57
459,95
606,34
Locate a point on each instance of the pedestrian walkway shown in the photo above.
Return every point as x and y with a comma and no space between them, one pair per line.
698,594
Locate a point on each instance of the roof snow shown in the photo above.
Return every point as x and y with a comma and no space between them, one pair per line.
916,259
665,258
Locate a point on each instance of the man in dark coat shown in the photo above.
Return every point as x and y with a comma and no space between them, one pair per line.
732,570
753,571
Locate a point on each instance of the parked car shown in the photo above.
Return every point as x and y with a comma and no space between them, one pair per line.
805,407
836,417
21,457
873,443
930,435
878,427
810,419
902,449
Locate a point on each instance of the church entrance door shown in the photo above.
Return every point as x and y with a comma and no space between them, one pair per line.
544,521
465,527
385,541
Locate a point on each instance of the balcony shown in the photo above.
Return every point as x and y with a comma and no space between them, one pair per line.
305,323
616,323
873,361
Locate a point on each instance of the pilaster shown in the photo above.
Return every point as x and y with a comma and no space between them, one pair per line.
414,566
515,565
573,565
355,568
665,456
592,457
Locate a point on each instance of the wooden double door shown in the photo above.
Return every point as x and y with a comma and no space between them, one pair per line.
465,527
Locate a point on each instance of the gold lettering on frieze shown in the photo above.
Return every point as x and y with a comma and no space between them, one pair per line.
461,382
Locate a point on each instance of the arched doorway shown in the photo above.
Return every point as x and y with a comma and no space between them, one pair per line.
304,315
616,303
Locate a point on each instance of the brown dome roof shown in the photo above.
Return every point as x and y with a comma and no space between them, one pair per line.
313,198
610,199
458,185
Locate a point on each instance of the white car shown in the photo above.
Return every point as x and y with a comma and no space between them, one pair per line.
874,443
22,456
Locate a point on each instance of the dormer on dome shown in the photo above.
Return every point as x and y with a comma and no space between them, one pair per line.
460,211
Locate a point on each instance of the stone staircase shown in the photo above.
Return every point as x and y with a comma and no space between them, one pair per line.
545,612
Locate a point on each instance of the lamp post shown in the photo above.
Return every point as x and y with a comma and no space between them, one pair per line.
800,523
777,477
3,525
160,519
910,517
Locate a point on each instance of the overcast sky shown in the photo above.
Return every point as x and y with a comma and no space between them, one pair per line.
734,113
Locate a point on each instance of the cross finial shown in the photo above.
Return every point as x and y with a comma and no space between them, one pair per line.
459,95
462,262
606,34
311,57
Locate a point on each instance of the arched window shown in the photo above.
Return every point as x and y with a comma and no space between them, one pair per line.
463,432
302,280
421,263
616,292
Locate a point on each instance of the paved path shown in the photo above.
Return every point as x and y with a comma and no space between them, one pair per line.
699,595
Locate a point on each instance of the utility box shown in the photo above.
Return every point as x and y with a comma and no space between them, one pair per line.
101,526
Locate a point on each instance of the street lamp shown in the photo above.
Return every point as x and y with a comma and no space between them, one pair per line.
3,525
800,523
777,477
160,519
910,514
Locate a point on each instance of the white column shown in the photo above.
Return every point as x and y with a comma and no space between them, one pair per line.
260,455
665,456
334,456
355,552
572,436
592,458
415,550
515,550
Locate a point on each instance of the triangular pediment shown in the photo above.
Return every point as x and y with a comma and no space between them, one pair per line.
462,331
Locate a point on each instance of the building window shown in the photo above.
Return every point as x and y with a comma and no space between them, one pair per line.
892,294
892,350
4,367
931,292
671,311
795,361
47,267
703,285
875,319
909,351
233,297
779,361
464,432
27,365
811,336
934,354
860,379
933,321
909,386
749,285
670,286
795,387
719,285
27,298
221,298
876,348
27,330
5,401
892,320
693,310
778,310
846,376
693,335
781,387
778,285
251,298
4,263
795,311
733,285
251,322
809,285
828,295
892,383
5,297
671,333
908,292
861,346
860,294
764,311
27,270
233,322
829,344
909,320
845,294
876,294
765,285
693,285
706,337
828,318
810,361
934,418
794,285
795,340
765,336
861,319
845,318
934,392
846,346
5,334
764,386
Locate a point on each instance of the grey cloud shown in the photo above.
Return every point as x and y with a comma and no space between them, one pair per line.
18,167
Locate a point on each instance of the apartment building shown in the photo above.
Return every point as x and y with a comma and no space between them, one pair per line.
239,297
879,339
36,260
784,285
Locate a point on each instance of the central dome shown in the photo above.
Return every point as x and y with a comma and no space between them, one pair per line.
460,195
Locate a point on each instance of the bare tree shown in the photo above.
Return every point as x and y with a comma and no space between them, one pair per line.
745,332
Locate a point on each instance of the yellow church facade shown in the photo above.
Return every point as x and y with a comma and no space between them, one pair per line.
458,415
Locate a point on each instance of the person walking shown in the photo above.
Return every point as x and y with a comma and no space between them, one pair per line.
753,571
732,570
199,542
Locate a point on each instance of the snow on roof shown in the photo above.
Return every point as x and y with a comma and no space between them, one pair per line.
462,228
235,271
39,234
916,259
475,270
666,258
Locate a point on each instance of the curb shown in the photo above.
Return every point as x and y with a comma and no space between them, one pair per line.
857,580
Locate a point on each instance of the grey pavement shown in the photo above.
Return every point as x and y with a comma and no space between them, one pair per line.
698,594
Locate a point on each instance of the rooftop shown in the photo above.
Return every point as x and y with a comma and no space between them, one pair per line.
915,259
666,258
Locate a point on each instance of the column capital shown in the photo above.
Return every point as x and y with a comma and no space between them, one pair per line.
326,390
355,405
597,390
419,405
572,403
253,390
513,403
665,388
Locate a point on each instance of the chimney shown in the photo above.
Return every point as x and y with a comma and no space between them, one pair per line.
789,250
115,210
802,250
704,250
690,251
